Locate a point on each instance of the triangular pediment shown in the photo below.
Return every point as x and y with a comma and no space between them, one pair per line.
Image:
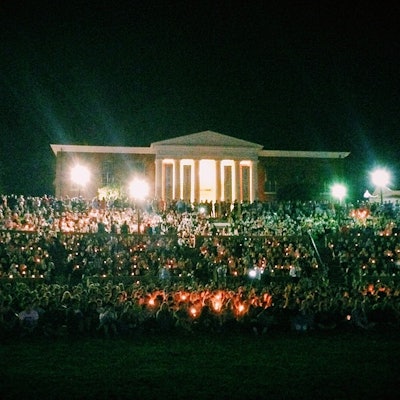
207,138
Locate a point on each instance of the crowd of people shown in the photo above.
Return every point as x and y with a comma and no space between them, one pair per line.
77,267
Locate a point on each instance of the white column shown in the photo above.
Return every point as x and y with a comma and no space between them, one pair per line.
158,180
218,180
177,180
237,182
196,181
254,184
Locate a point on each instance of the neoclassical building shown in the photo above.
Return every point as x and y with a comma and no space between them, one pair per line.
203,166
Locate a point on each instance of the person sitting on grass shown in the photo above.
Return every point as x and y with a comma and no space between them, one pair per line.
183,321
165,318
108,320
262,320
359,316
8,318
91,318
75,319
303,318
28,320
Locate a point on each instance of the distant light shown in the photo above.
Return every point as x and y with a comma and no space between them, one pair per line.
80,175
339,191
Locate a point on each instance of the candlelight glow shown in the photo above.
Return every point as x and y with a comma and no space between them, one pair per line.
193,311
217,305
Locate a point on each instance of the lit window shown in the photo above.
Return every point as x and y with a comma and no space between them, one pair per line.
107,173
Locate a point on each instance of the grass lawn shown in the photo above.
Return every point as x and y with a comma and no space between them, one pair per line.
317,365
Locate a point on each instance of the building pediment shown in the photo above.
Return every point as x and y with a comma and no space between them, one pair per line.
207,138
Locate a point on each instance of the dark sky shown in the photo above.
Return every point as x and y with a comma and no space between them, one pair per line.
307,75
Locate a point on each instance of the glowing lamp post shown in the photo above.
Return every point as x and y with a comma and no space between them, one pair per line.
138,189
80,175
380,178
339,191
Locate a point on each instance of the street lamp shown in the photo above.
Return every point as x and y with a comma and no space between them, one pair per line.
80,175
339,191
380,178
138,189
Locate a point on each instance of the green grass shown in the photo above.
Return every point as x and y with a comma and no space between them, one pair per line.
334,365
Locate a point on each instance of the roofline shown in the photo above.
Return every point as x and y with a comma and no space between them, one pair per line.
303,154
72,148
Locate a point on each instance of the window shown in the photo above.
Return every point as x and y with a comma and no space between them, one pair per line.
270,185
138,168
169,180
108,173
245,183
187,182
228,183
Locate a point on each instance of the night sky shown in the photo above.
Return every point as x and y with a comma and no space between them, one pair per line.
300,75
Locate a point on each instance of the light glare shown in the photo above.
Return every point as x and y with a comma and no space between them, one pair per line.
80,175
380,177
139,189
339,191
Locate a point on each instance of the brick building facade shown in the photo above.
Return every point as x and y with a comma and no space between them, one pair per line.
204,166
